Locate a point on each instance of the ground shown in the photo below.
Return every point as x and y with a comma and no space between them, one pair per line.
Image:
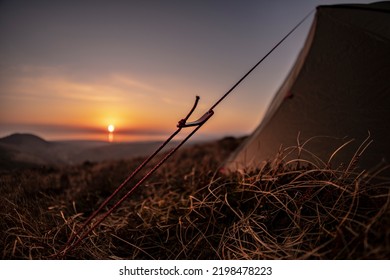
190,210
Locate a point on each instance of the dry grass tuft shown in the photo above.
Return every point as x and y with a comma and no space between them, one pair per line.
286,210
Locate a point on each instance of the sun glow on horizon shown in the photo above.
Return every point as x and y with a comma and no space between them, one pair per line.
111,128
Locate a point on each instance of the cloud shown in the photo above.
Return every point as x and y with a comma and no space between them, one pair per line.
123,80
29,82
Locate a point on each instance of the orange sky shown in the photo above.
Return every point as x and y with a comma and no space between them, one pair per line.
49,102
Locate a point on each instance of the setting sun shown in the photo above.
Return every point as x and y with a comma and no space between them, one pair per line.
111,128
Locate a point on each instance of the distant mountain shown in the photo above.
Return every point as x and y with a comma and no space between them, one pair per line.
24,139
26,150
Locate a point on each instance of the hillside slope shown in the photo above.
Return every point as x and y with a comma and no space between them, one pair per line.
27,150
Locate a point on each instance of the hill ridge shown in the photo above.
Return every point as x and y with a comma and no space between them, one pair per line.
22,139
21,150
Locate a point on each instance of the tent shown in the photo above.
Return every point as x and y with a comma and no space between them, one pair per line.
337,92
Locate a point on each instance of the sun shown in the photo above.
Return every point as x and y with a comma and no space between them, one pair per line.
111,128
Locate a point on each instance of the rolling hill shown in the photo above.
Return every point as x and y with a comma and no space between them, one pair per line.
28,150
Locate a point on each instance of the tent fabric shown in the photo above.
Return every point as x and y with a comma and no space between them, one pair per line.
338,90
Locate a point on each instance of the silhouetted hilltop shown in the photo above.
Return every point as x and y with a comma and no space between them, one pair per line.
28,150
24,150
24,139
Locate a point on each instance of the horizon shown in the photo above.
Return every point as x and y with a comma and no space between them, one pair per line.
69,72
121,140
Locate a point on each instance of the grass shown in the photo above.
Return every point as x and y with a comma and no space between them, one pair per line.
188,210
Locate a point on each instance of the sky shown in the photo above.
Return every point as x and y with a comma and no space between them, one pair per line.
69,69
